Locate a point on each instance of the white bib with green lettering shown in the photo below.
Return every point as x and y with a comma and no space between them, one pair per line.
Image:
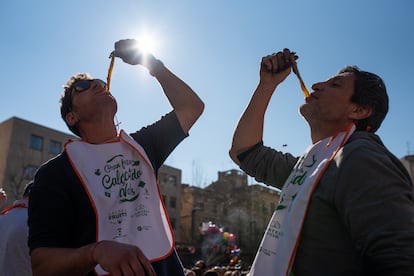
123,190
278,247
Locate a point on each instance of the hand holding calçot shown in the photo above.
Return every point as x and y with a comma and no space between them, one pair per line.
128,50
276,67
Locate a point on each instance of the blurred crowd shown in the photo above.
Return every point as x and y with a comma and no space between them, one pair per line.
201,269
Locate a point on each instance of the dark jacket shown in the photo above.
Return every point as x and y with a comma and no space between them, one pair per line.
360,220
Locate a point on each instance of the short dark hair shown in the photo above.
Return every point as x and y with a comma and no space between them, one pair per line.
66,99
369,92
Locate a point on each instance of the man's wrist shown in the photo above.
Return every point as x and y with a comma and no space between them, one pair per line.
92,251
155,66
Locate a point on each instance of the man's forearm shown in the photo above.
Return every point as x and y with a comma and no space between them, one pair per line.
185,102
62,261
249,130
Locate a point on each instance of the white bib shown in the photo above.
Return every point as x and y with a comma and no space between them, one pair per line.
278,247
122,188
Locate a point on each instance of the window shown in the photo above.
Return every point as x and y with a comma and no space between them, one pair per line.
172,180
36,142
55,147
29,171
173,202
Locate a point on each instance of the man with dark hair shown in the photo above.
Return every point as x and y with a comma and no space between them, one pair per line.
96,208
369,92
347,203
14,252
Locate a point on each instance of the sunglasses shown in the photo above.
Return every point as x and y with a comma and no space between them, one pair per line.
82,85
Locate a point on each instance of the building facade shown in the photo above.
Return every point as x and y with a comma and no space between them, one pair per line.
408,162
169,180
24,146
231,205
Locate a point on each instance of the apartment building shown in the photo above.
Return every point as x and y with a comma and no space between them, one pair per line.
169,180
408,162
230,204
24,146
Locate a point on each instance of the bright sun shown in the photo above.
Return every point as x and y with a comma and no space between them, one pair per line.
147,43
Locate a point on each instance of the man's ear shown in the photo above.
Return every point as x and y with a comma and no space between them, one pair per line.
359,112
71,118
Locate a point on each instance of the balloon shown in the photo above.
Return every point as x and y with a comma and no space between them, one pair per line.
235,252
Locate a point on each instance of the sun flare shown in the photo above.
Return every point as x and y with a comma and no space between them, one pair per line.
147,43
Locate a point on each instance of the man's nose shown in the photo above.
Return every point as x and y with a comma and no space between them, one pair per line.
317,86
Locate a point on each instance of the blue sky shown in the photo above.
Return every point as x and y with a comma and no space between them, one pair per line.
216,47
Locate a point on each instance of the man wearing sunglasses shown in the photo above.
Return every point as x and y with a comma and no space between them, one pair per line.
96,208
347,203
